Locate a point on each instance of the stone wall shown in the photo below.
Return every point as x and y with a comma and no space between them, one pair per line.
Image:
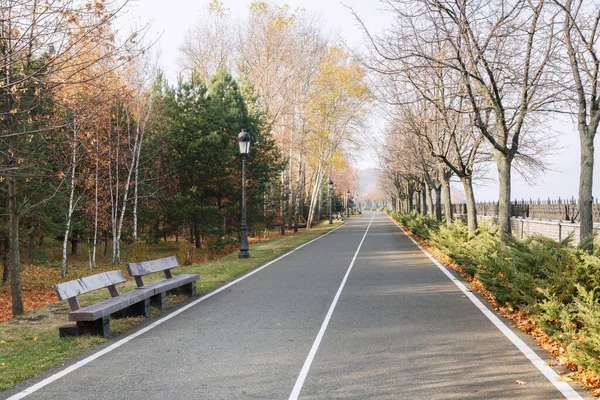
557,230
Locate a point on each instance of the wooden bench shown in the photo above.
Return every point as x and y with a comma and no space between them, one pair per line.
94,319
184,283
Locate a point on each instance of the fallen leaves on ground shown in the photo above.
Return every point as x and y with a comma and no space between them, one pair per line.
37,288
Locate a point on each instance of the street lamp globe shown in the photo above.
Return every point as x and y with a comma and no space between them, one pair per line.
244,142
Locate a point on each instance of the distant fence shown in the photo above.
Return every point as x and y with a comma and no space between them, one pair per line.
555,210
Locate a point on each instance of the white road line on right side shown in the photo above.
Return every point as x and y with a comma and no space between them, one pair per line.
548,372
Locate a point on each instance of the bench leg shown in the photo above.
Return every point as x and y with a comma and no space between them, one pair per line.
159,300
69,331
99,327
134,310
189,289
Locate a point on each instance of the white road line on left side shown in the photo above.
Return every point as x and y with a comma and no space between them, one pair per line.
536,360
315,347
87,360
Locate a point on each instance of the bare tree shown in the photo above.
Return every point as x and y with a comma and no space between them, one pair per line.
208,46
581,32
500,49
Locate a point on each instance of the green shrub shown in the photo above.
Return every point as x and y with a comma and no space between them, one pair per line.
586,349
419,224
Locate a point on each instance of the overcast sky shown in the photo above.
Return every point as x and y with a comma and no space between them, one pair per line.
170,19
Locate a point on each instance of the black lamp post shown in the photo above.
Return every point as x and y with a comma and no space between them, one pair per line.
244,142
347,204
329,202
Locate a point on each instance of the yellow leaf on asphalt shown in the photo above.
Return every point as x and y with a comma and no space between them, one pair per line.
520,382
564,378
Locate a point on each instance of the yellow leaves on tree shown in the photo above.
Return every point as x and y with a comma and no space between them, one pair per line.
216,7
338,103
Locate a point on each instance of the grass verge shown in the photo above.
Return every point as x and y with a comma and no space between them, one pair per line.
30,345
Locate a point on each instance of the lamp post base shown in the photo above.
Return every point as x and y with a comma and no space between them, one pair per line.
244,254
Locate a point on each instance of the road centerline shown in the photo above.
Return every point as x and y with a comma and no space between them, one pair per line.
315,347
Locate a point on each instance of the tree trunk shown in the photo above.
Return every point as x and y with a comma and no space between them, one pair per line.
417,201
197,233
95,242
64,266
504,180
447,201
135,198
429,198
282,204
586,179
315,201
74,243
320,204
467,183
411,193
298,195
438,203
13,255
105,243
6,272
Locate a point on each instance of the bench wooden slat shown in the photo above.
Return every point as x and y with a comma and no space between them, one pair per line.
110,306
170,284
74,288
149,267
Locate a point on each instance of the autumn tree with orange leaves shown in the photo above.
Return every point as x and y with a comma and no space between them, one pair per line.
45,47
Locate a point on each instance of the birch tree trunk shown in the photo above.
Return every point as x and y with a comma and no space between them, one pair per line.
64,267
135,202
298,195
117,259
140,130
95,242
315,197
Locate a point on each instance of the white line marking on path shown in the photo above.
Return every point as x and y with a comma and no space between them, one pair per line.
313,351
548,372
121,342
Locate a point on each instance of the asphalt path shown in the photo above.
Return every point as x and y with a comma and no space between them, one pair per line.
361,313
